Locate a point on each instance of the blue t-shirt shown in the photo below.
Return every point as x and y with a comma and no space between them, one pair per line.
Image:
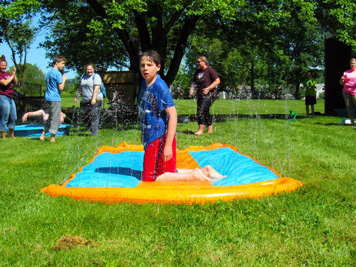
53,79
152,102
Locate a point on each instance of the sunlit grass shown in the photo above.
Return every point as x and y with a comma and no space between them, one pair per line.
314,226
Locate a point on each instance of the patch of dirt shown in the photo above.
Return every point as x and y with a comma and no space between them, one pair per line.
69,242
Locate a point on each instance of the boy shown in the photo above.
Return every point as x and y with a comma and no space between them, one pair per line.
55,82
310,94
158,120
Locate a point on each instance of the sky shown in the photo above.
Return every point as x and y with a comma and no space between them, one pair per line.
35,55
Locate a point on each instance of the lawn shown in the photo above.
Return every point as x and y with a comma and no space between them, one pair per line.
313,226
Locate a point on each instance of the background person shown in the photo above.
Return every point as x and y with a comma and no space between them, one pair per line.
309,86
348,80
43,113
55,82
205,81
8,115
92,98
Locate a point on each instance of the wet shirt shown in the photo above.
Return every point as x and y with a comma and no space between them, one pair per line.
309,87
7,90
87,84
53,78
350,82
152,102
204,78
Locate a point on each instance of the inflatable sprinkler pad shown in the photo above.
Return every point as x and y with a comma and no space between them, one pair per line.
113,175
35,130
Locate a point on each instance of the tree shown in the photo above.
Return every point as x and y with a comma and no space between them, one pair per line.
137,25
283,34
19,36
15,27
339,18
32,80
284,37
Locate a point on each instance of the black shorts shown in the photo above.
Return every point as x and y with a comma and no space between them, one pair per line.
310,100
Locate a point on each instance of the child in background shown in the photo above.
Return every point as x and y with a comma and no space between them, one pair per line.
158,120
309,86
55,82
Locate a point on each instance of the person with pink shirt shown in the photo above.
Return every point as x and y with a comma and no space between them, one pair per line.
348,80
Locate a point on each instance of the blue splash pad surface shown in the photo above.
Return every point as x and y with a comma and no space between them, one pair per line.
240,169
35,130
123,169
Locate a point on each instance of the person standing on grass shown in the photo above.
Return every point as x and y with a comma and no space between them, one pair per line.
8,115
309,86
92,98
158,122
55,82
348,80
205,82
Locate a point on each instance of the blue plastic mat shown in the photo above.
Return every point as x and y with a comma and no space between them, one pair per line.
123,169
35,130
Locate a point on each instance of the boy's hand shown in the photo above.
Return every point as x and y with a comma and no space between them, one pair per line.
168,153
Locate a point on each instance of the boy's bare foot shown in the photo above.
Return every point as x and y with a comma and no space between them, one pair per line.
211,173
198,133
52,140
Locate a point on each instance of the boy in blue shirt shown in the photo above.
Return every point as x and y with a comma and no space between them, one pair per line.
55,82
158,121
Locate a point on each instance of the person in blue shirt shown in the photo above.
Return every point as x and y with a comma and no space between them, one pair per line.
55,82
158,122
158,119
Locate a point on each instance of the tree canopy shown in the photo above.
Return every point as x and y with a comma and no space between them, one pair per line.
267,41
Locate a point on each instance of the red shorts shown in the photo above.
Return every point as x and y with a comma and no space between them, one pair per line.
153,161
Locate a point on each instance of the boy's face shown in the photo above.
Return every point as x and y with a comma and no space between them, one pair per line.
60,65
149,69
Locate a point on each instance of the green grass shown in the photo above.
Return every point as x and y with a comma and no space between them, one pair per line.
313,226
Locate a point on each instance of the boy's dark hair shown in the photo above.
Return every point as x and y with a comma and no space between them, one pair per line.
59,59
153,55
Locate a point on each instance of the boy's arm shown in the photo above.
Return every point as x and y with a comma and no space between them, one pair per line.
172,126
61,85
